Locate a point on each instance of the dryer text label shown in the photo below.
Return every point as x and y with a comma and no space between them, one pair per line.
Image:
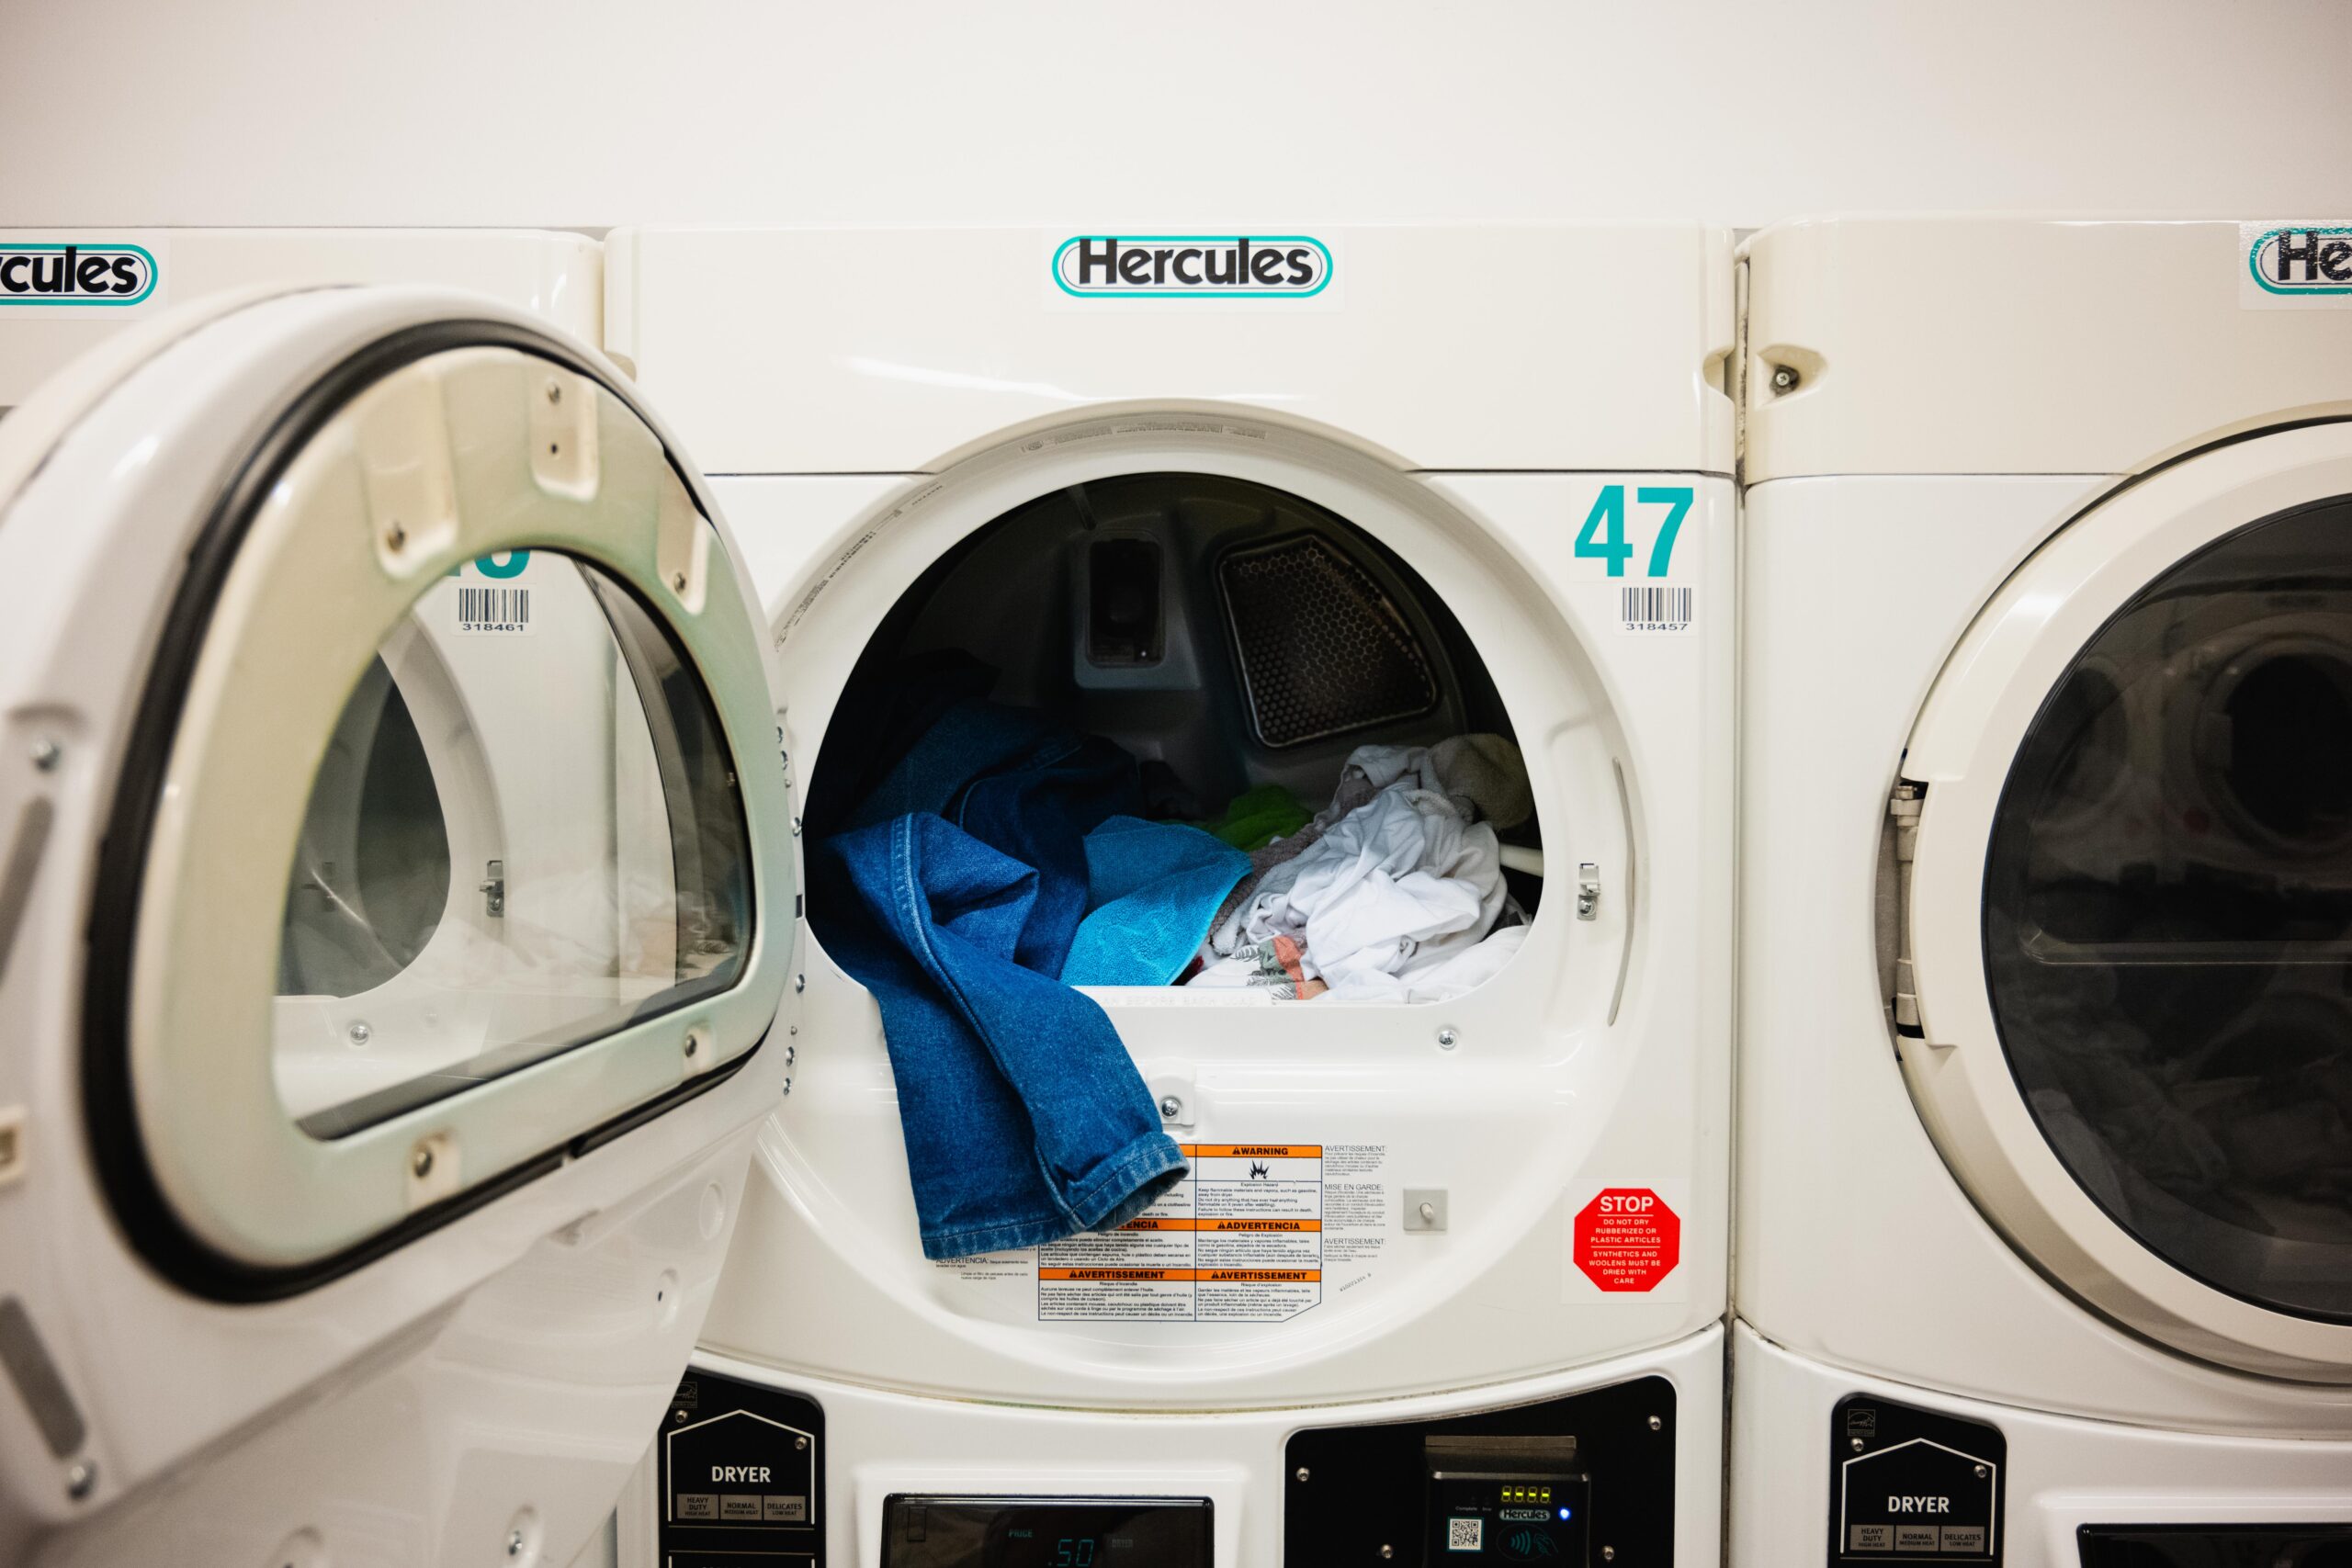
74,274
1182,266
2302,261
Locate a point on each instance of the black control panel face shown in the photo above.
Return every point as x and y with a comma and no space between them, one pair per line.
926,1531
742,1477
2309,1545
1505,1500
1909,1485
1584,1480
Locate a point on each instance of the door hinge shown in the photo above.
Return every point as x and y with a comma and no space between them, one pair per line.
493,889
1903,821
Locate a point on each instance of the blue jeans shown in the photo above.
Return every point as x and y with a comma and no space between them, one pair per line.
954,899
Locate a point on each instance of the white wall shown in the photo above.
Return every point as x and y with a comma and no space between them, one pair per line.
586,113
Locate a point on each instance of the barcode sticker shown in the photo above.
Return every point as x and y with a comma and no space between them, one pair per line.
504,610
1465,1535
1654,609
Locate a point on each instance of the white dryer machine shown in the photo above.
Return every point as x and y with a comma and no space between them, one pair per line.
417,1038
2045,1093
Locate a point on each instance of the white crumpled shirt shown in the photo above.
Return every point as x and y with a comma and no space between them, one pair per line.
1393,890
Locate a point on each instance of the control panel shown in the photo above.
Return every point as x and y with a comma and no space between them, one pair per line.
1505,1499
1584,1479
938,1531
2315,1544
1909,1485
741,1472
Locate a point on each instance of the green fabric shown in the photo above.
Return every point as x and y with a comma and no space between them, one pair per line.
1254,819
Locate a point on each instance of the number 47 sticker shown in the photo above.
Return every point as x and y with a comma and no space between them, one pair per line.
1603,534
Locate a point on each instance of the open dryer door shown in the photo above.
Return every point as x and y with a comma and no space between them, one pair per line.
2127,982
398,900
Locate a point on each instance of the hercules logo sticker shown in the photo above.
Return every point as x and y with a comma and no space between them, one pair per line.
84,273
1189,271
2295,264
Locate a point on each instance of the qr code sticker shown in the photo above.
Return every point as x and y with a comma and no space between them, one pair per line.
1465,1535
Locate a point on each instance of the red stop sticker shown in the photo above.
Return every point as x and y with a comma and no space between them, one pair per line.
1627,1239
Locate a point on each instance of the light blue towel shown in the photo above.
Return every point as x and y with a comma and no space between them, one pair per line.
1152,889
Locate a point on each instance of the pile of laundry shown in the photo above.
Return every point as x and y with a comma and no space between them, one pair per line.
1394,892
972,863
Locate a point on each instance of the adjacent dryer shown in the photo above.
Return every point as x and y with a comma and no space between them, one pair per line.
2046,1013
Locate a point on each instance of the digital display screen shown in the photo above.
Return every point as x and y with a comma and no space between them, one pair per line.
923,1532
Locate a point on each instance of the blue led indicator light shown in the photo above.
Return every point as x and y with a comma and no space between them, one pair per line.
1565,1512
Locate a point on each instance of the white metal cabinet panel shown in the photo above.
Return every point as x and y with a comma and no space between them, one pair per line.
2063,1472
885,1441
1844,1209
878,350
781,525
1988,347
557,277
1554,1091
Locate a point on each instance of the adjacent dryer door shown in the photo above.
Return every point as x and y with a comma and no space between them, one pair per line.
2128,831
399,901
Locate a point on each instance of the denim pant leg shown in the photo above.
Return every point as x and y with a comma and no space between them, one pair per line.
1024,1118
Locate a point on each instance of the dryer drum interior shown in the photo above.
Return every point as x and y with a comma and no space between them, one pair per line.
1227,635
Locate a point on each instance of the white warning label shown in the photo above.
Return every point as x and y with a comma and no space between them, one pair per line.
1246,1237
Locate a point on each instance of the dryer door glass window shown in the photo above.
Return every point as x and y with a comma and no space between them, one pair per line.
371,875
524,834
2168,915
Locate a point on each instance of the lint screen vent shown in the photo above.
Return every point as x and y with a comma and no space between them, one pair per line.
1322,649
